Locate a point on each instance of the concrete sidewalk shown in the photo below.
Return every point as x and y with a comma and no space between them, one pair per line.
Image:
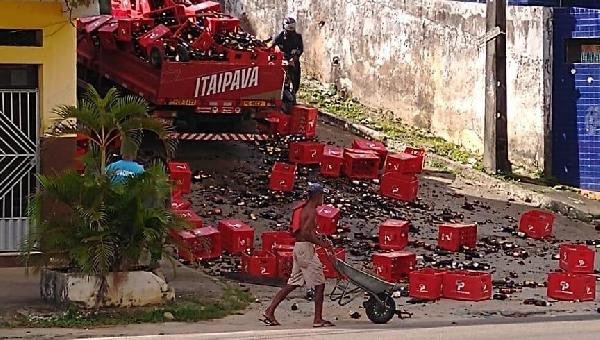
18,290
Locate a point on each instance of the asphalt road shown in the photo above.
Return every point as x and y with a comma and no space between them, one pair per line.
580,330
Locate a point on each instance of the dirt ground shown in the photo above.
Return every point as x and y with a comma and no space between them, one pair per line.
238,179
232,182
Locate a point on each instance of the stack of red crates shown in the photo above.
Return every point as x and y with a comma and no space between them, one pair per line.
399,180
274,259
574,282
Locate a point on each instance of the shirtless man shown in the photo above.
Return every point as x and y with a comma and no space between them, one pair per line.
307,268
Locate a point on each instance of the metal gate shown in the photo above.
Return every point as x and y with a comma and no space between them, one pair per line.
18,163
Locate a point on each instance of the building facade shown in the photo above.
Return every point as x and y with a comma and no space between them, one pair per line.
37,73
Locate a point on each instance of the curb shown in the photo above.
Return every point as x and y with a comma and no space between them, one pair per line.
513,190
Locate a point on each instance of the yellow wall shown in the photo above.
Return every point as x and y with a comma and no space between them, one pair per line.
57,56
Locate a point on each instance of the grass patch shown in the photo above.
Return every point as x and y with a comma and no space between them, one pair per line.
395,129
187,309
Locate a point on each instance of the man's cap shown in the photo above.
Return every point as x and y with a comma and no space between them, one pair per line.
314,189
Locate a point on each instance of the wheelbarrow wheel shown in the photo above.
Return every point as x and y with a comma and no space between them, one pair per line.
378,313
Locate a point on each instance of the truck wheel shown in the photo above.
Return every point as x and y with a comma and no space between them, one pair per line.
155,57
378,313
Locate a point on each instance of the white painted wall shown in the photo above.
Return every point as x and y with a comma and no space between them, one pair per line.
420,59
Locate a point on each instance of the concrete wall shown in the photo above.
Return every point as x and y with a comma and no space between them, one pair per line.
420,59
57,56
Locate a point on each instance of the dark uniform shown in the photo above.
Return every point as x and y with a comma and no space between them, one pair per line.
290,43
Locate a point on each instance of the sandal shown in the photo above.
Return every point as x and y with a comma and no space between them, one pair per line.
269,321
323,323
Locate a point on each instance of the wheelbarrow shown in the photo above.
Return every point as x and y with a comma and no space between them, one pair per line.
380,307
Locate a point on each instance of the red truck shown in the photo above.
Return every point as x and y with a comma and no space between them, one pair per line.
189,60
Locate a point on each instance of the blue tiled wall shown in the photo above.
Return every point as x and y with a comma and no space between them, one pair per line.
549,3
576,103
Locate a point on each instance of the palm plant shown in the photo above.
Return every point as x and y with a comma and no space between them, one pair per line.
109,119
107,226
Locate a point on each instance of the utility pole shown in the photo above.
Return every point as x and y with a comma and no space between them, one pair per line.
495,144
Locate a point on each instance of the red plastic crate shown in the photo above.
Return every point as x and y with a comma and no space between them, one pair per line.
452,236
399,187
571,287
260,263
175,194
208,243
285,262
536,223
376,146
282,177
304,121
306,152
181,175
238,237
403,163
154,36
332,161
394,266
278,123
185,241
416,152
467,285
426,283
576,258
361,165
269,239
192,217
180,204
225,24
393,234
328,266
327,219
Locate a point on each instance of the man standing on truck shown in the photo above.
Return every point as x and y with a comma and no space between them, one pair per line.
290,43
307,268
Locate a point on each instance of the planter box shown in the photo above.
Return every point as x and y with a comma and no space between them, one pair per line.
132,289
